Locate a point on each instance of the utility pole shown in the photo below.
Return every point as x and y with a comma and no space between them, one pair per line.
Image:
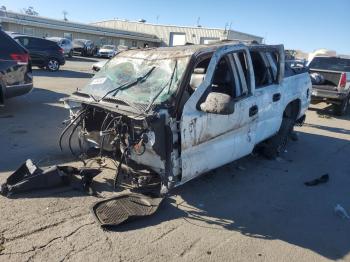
198,21
65,13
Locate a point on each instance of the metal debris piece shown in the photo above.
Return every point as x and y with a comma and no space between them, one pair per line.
321,180
341,212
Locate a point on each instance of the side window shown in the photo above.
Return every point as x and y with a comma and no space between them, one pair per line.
272,58
198,74
35,42
261,69
225,88
243,76
24,41
223,80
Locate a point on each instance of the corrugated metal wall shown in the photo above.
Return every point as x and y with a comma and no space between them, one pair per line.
194,35
98,40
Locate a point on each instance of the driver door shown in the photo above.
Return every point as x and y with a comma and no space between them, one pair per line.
210,139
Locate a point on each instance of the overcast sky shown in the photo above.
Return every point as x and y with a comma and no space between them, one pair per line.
300,24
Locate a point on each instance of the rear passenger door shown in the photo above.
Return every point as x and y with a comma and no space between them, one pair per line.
38,49
268,68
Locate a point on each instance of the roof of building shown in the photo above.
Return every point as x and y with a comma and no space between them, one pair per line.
168,25
39,21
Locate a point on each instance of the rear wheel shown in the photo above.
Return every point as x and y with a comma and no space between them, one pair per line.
53,65
343,107
277,144
70,55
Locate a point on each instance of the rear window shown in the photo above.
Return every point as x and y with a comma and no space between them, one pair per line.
79,42
330,63
37,42
8,46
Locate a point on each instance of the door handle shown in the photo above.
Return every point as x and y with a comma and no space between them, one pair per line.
253,110
276,97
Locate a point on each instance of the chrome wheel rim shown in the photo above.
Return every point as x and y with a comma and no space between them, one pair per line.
52,65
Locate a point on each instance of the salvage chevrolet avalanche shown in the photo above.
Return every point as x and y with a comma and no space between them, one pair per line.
167,115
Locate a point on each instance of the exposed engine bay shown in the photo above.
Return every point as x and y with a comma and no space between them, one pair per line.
139,146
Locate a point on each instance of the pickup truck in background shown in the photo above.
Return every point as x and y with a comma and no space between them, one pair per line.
331,82
168,115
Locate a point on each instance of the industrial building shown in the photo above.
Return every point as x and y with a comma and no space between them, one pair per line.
172,35
118,32
44,27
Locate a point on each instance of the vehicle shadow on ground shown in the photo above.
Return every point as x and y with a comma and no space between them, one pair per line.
331,129
62,73
82,59
256,197
268,200
328,112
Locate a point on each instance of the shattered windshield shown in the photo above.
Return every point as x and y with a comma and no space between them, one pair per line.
79,42
162,79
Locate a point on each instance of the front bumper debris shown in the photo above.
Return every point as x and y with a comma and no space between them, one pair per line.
28,177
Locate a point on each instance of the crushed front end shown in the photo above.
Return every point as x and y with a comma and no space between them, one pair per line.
124,114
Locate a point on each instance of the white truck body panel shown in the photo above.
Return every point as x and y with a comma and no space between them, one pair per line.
212,140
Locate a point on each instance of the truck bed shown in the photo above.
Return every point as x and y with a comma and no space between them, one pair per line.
332,79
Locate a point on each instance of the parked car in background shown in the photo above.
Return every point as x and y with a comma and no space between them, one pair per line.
298,65
15,69
84,47
64,43
43,53
331,82
107,51
97,66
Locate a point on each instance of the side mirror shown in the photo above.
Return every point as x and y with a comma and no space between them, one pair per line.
218,103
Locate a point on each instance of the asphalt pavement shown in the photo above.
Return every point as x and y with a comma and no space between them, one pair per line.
253,209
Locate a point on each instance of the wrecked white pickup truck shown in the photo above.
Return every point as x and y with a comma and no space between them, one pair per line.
168,115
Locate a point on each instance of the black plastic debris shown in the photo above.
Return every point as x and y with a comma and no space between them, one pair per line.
28,177
321,180
120,209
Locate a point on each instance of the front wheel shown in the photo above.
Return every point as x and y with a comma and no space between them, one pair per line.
343,107
277,144
53,65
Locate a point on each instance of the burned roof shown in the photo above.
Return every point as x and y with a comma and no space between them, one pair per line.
174,52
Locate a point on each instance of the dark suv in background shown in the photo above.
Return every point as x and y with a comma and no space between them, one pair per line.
43,53
15,68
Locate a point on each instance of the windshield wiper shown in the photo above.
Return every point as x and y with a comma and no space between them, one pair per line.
128,85
169,83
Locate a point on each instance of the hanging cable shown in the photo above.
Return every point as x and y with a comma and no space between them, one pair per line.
69,125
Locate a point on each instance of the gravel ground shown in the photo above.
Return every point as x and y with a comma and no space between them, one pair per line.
250,210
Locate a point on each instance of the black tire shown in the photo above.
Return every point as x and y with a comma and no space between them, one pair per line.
343,107
52,65
70,54
277,144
